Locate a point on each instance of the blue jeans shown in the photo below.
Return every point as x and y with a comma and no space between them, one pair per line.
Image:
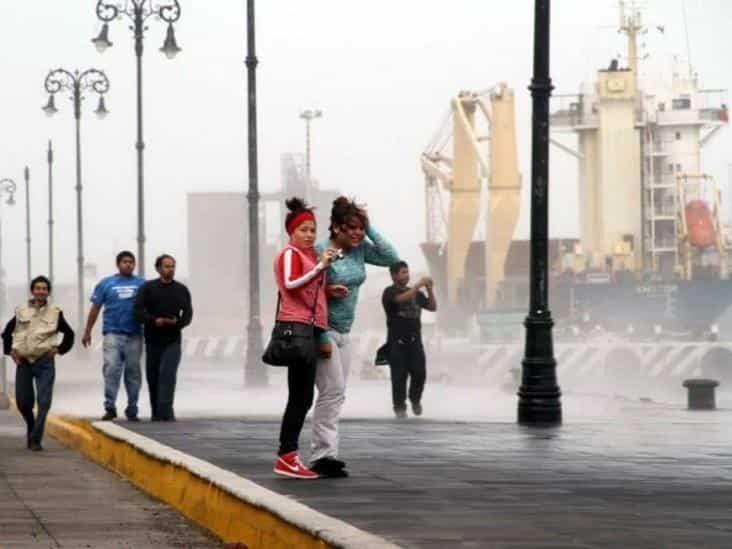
122,357
43,371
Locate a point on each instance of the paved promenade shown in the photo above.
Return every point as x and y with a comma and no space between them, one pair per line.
56,498
652,476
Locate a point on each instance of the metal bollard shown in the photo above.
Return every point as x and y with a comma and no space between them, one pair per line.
701,393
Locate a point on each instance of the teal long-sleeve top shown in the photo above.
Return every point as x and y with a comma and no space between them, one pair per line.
351,273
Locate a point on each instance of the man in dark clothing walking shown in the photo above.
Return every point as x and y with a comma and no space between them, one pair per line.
164,306
31,339
403,306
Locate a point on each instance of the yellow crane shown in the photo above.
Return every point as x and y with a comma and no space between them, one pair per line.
471,169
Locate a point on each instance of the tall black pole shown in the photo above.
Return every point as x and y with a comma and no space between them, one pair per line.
50,210
539,395
254,373
79,214
140,145
6,186
26,176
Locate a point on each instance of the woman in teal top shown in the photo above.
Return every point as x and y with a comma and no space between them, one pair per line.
361,244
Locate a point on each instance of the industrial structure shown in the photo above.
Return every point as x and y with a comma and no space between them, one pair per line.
653,248
471,171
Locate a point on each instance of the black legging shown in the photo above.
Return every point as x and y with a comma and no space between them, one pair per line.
301,390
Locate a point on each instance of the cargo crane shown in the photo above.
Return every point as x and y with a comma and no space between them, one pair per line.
471,171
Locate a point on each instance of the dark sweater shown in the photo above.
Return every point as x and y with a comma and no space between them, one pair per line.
157,299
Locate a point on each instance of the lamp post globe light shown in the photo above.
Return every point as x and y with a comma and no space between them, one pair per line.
7,186
77,85
138,12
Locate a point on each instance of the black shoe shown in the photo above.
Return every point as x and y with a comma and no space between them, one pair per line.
329,468
109,415
400,413
133,419
416,408
36,447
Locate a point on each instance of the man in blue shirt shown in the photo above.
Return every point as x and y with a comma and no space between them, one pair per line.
122,345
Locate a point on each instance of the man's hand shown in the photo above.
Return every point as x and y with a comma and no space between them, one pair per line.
86,340
336,290
16,357
52,353
429,283
160,322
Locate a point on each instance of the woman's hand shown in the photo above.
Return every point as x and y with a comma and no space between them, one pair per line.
325,350
336,290
328,256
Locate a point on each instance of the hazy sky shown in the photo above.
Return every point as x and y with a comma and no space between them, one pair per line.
382,72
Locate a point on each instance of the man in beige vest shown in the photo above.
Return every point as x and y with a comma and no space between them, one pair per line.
31,339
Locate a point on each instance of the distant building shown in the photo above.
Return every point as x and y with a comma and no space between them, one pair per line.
218,250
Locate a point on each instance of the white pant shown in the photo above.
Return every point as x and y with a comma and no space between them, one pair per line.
330,379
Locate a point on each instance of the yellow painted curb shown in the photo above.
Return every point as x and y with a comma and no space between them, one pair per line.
202,501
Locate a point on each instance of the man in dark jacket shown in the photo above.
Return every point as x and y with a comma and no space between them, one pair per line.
403,307
164,306
31,339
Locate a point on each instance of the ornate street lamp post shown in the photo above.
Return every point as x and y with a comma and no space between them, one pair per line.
539,395
77,84
254,373
49,158
8,187
26,176
139,11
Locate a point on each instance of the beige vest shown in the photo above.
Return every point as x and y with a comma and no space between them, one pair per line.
36,330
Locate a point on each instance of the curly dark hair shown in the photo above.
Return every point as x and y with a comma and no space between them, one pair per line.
344,211
296,206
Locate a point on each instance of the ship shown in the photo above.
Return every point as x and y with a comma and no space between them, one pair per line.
652,256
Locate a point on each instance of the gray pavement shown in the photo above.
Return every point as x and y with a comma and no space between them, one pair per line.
650,476
56,498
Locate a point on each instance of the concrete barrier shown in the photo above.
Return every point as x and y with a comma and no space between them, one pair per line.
228,505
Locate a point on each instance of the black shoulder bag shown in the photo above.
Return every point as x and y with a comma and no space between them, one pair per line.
292,342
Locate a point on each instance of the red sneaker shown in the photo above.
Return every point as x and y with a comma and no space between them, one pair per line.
289,465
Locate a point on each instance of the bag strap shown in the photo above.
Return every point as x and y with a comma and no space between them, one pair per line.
317,294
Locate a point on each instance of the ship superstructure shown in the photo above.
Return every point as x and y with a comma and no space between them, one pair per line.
644,198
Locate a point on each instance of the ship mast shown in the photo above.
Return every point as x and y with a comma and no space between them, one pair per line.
631,26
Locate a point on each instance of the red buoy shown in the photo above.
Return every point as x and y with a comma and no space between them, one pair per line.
700,224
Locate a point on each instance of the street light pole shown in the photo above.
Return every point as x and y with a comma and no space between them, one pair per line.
139,11
50,210
539,395
26,176
309,115
6,186
254,373
76,84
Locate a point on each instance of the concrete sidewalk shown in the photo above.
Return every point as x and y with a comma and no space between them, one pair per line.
56,498
651,477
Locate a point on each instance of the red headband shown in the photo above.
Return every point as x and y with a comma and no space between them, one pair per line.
305,215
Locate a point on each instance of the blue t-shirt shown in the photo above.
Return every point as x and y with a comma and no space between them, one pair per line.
116,294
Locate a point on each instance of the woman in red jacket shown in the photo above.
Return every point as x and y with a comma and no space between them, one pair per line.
299,274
